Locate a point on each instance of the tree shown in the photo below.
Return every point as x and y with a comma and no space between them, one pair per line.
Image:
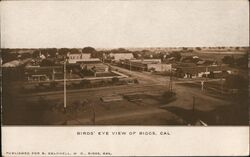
198,48
176,55
74,50
52,52
47,62
88,50
158,55
184,48
120,50
44,52
25,55
242,61
63,51
146,54
96,54
8,56
36,54
136,54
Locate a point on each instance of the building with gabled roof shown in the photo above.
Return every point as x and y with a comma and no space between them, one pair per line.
121,56
74,57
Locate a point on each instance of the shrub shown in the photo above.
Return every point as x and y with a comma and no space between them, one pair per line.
136,81
115,79
85,83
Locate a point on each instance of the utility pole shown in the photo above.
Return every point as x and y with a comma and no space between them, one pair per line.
170,81
193,105
130,66
93,111
206,72
221,79
53,74
64,83
202,85
94,117
193,112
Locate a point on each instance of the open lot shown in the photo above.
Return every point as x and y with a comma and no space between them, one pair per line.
215,56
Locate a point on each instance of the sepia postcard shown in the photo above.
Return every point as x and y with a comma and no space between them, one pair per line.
125,78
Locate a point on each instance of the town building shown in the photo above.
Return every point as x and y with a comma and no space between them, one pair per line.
146,65
74,57
203,71
121,56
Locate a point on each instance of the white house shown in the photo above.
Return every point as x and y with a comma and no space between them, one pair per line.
159,67
78,57
121,56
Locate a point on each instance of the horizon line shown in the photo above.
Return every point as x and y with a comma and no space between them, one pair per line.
125,47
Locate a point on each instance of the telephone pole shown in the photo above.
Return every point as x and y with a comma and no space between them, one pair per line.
193,105
130,66
93,119
206,72
170,81
202,85
64,85
221,79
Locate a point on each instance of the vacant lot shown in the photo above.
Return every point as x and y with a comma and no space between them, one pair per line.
212,56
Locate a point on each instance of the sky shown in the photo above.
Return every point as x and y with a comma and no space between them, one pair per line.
113,24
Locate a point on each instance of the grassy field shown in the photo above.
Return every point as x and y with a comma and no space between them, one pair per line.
212,56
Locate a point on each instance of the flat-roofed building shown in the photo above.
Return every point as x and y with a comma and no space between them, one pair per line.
203,71
146,65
